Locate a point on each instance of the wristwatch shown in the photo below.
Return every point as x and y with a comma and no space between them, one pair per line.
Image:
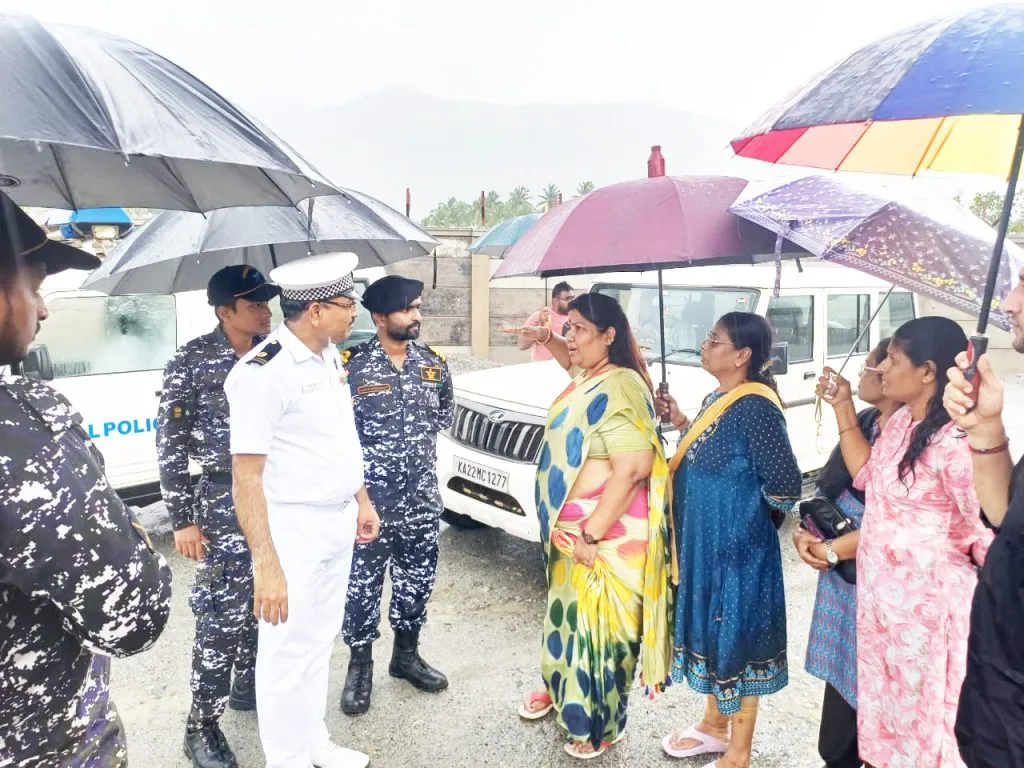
830,556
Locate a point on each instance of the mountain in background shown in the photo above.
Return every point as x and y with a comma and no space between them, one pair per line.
382,143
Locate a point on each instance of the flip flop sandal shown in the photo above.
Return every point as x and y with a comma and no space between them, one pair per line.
708,744
584,755
536,714
596,753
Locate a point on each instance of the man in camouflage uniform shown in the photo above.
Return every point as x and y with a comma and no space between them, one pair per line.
77,573
194,425
402,395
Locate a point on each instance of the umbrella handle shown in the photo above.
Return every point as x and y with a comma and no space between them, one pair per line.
977,347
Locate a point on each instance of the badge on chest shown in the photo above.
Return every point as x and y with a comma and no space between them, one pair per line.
373,389
430,375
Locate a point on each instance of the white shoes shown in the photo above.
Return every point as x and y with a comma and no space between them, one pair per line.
333,756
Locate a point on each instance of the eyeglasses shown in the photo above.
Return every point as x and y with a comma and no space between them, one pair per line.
349,306
868,369
710,338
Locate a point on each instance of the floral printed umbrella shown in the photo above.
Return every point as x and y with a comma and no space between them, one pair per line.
930,247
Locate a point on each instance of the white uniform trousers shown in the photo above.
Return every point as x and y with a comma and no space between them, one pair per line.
314,544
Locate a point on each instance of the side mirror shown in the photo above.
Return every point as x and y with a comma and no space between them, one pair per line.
38,364
780,358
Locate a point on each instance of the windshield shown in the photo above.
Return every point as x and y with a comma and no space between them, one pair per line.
689,314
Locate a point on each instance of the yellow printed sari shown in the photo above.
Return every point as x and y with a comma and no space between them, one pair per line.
601,620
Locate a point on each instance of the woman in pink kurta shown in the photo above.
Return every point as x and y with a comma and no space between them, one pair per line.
921,542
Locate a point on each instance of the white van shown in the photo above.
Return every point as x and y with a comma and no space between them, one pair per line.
487,460
106,354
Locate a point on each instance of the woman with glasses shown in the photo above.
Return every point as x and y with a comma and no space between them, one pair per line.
734,476
917,560
832,646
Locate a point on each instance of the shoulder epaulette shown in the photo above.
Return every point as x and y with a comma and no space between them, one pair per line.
349,352
266,354
435,352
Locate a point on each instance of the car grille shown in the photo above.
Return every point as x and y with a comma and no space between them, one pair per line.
513,440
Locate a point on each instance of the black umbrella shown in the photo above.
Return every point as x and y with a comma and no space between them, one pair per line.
91,120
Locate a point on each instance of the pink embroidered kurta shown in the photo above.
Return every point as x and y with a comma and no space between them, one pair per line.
916,574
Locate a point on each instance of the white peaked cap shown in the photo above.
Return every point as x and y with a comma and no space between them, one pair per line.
317,278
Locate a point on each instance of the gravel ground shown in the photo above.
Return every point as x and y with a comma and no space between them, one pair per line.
484,633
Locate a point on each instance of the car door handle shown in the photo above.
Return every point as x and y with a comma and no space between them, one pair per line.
809,375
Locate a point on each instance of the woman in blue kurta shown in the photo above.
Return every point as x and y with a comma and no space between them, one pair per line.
734,478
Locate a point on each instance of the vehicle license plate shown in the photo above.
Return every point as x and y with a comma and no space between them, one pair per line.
483,475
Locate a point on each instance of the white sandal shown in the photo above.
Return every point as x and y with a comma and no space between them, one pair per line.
708,744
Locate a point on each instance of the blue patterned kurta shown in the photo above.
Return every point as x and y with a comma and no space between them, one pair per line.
832,645
730,623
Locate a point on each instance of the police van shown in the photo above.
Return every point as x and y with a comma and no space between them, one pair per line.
106,354
487,460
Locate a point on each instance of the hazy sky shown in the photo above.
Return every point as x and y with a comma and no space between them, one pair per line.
724,57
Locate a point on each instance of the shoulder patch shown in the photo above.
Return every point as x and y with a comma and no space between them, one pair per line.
266,354
436,353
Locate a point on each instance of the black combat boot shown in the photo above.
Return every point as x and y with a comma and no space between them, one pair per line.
355,698
208,748
243,696
407,664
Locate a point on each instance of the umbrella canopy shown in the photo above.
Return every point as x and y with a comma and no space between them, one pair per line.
944,95
934,248
655,223
92,120
177,251
500,238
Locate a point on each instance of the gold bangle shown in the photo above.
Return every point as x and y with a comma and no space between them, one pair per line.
848,429
550,334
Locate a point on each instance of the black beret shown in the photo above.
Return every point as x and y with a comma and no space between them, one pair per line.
392,294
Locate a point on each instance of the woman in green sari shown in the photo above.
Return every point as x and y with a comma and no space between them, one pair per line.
601,485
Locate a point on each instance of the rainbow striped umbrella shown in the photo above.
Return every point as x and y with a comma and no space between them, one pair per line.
945,95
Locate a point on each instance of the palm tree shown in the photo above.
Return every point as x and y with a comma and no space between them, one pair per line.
519,197
549,197
584,188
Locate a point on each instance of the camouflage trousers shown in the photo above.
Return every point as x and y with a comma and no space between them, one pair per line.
221,600
97,737
408,543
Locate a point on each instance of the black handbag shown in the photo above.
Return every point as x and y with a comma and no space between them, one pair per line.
827,521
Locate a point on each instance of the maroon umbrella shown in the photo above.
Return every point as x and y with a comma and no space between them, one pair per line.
654,223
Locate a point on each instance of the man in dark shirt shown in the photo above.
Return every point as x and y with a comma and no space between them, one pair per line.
194,425
79,581
990,719
402,395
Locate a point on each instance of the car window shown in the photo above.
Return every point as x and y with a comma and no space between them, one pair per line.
848,315
689,314
792,322
897,310
95,335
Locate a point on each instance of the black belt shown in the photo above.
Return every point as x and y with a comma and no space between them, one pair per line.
220,478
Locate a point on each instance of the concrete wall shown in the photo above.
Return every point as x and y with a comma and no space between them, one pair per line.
463,313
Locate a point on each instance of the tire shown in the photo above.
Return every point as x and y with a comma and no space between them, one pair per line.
461,522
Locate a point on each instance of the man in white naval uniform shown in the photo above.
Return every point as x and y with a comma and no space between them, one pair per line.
298,487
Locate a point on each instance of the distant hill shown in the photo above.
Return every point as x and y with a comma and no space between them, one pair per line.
382,143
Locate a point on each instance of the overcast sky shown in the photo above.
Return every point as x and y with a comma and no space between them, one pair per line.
731,58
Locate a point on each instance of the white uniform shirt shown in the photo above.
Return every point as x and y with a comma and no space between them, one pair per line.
296,409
